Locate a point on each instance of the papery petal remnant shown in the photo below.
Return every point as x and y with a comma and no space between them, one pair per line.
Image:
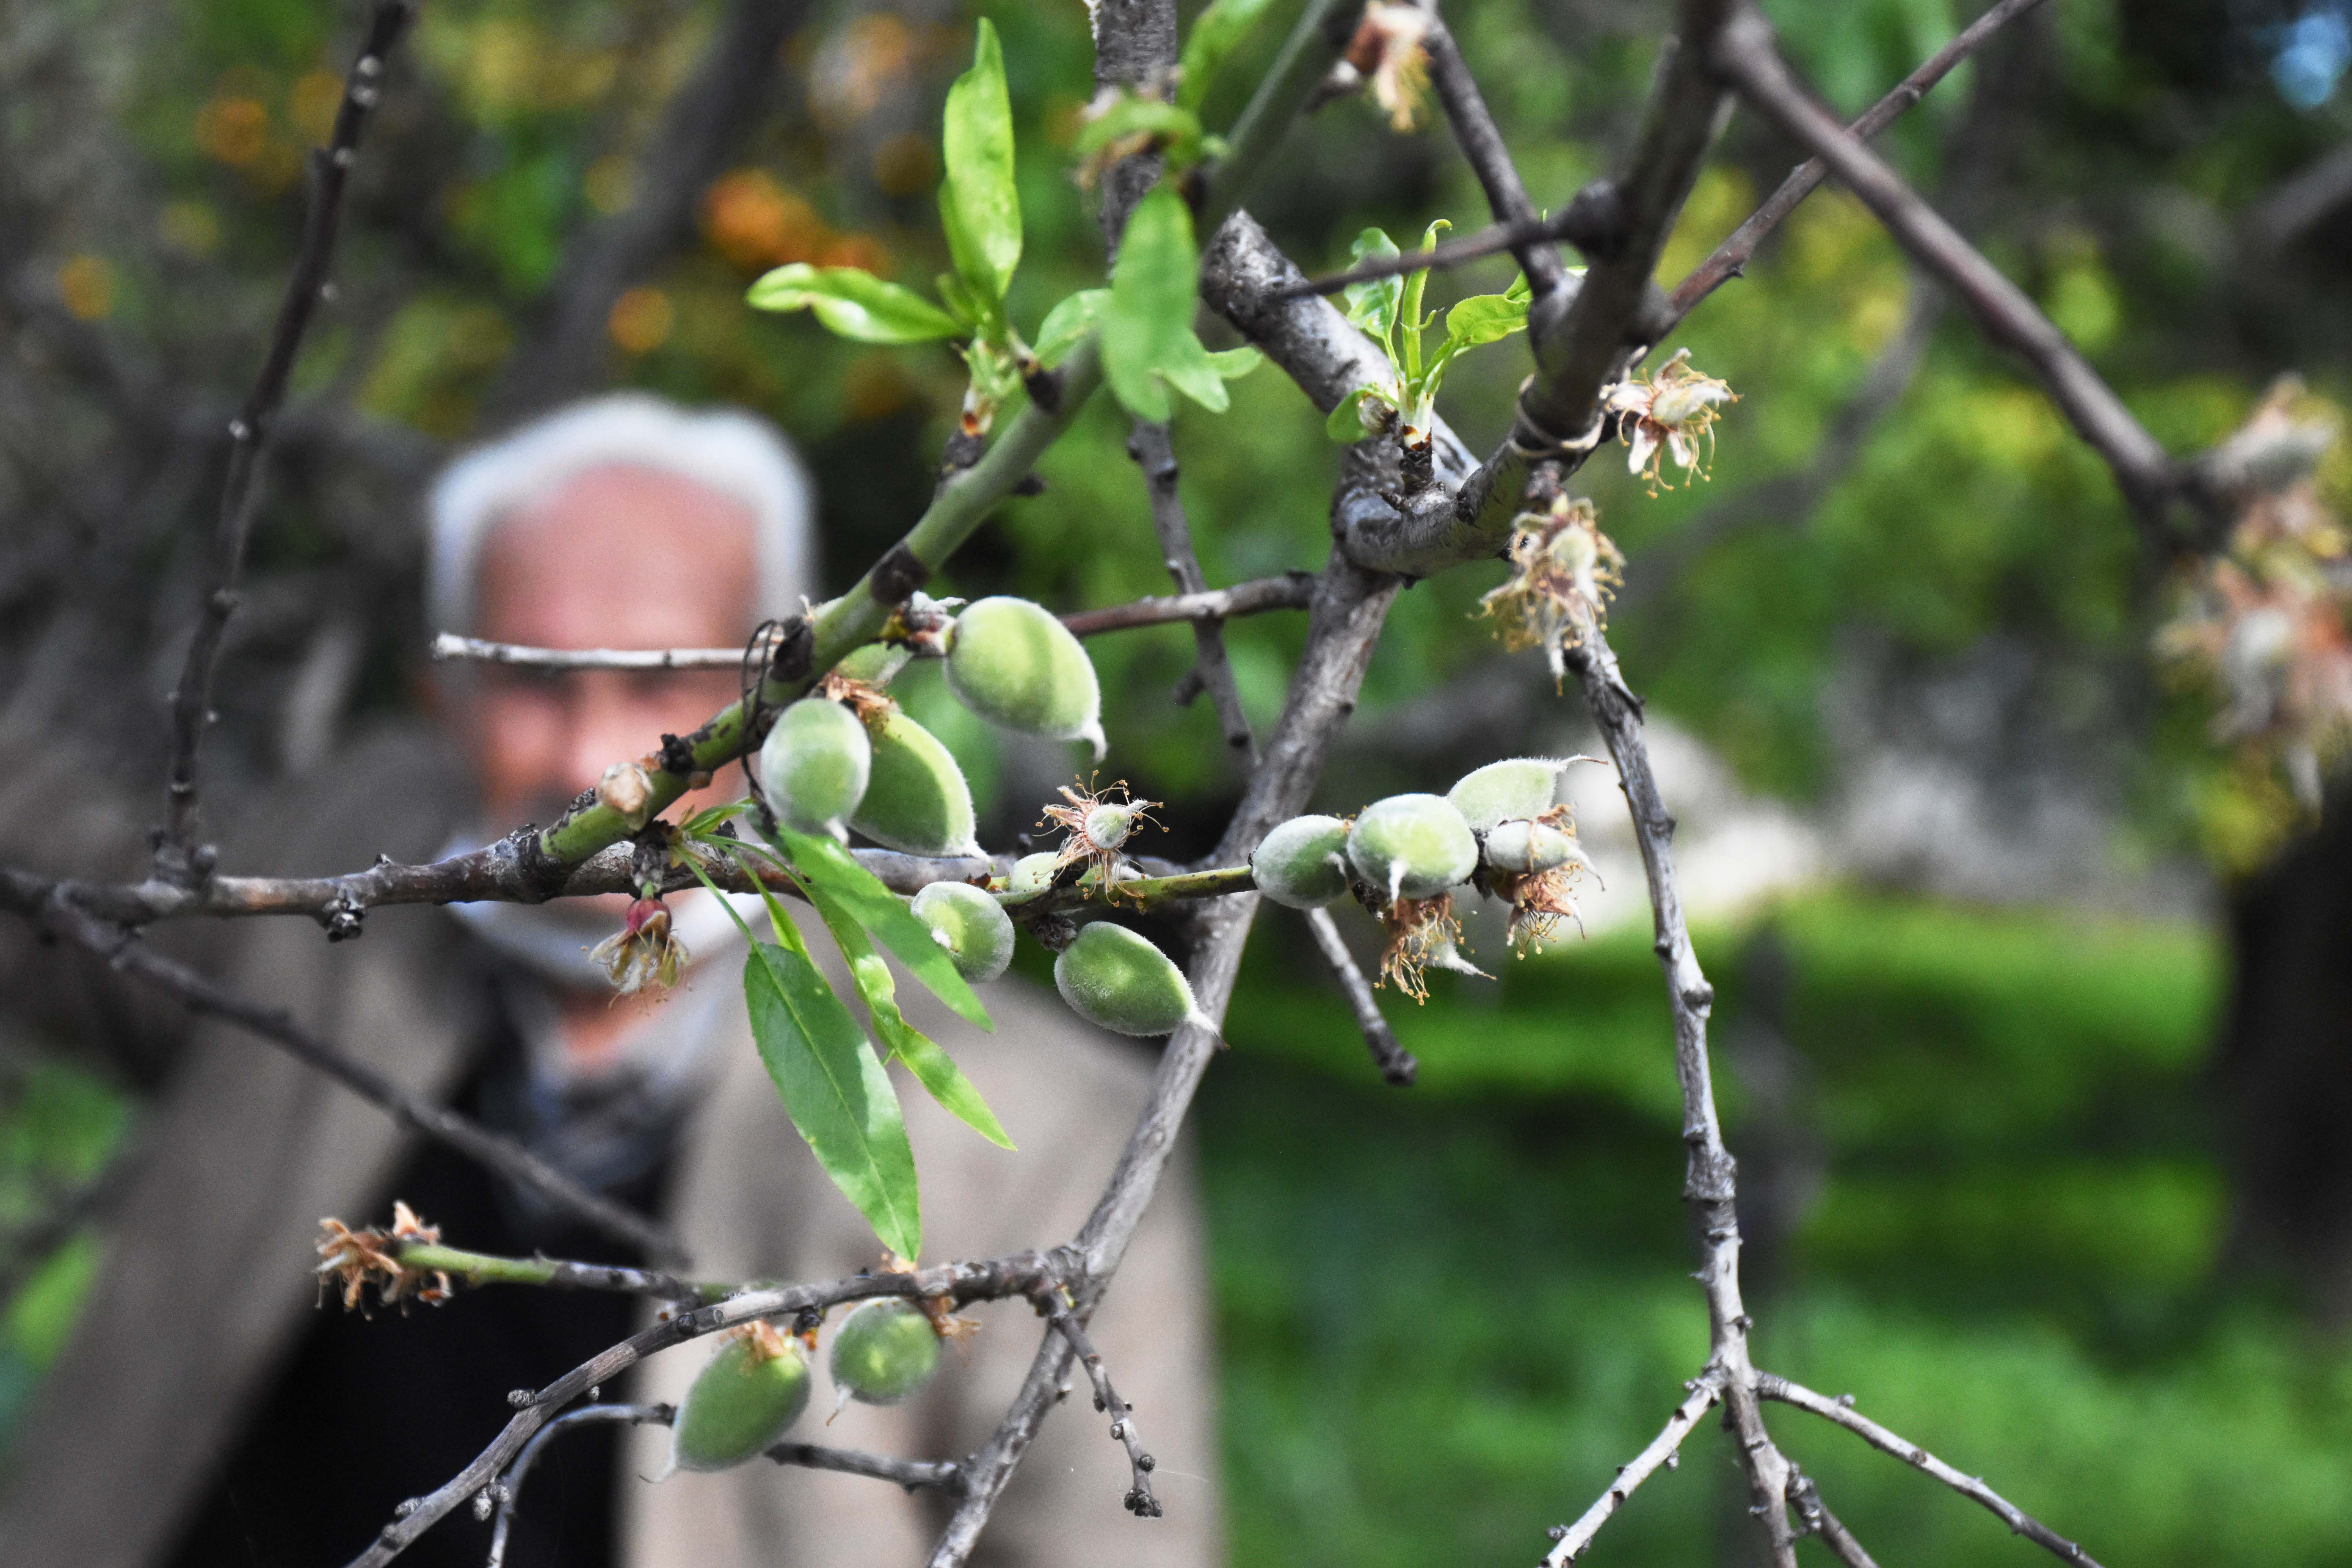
354,1258
1098,825
1563,570
1666,416
643,953
1387,48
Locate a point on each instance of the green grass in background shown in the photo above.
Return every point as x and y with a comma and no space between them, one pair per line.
1450,1312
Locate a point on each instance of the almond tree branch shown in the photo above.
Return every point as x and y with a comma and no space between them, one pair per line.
1397,1065
1287,591
1569,1542
2150,478
177,854
1708,1182
507,1492
1021,1274
120,948
1482,146
1817,1519
1730,258
1212,671
1843,1413
1139,1499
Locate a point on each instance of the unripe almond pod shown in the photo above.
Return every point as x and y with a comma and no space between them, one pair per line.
1031,875
1303,863
916,800
1516,788
885,1351
1522,848
740,1402
1117,980
971,926
1413,846
875,663
1013,664
815,765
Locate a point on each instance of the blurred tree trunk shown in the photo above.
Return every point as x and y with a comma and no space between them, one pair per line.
2286,1066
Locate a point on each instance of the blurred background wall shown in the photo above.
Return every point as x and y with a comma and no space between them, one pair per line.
2036,1027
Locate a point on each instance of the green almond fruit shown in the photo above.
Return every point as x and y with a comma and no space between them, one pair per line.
1522,848
1117,980
1015,664
1516,788
740,1402
1303,863
916,800
970,924
875,663
815,765
885,1351
1413,846
1031,875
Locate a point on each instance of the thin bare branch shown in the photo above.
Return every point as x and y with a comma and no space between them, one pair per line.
1569,1542
1730,258
2284,215
2150,478
1815,1515
935,1475
1139,1501
1022,1273
1291,591
123,950
177,854
1212,671
1482,146
507,1495
1397,1065
1843,1413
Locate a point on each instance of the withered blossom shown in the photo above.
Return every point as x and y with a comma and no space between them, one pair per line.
1667,414
643,953
1563,570
354,1258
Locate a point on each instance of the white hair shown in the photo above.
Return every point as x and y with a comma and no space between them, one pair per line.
736,454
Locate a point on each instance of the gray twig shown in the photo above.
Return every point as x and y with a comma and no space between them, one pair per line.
2150,478
937,1474
1730,258
2296,206
1481,145
1843,1413
1815,1516
1139,1499
1396,1064
123,951
1569,1541
1212,671
177,854
507,1492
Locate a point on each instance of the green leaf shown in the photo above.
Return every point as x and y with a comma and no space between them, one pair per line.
1067,324
979,204
1235,363
1373,306
1485,319
836,1091
960,303
1352,420
932,1067
1148,324
1214,33
829,868
1193,374
1176,131
854,303
1415,282
708,819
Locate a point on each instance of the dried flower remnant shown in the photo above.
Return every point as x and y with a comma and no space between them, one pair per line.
1387,48
2263,623
643,953
1423,934
354,1258
1098,825
872,705
1665,415
1563,570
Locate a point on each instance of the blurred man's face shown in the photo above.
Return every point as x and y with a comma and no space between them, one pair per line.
616,557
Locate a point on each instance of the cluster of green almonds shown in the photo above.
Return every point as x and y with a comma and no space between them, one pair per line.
1419,846
757,1383
824,769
